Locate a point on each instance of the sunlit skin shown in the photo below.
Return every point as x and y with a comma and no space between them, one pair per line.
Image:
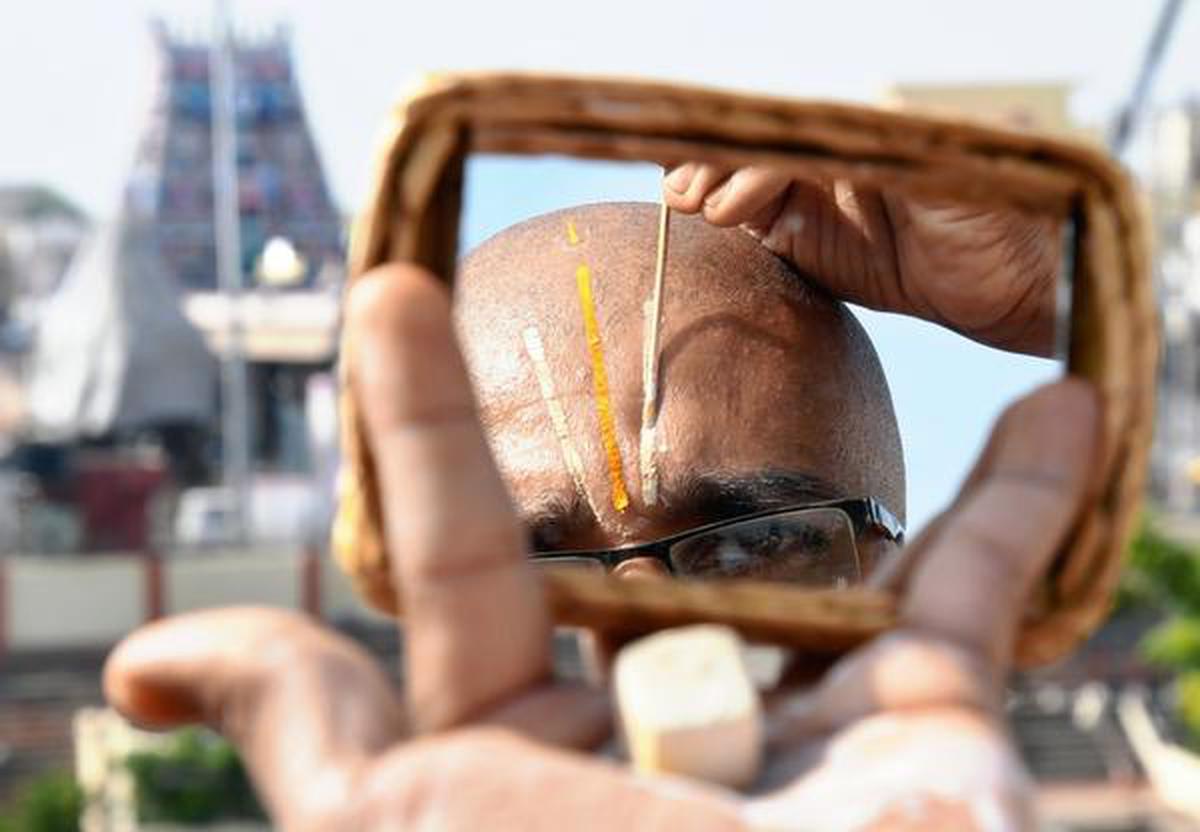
745,343
988,273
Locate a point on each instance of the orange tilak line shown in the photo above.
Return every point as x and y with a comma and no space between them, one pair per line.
604,412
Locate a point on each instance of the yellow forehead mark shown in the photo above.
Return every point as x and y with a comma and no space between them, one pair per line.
604,412
536,351
572,236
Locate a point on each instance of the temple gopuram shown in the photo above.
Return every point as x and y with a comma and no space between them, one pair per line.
282,191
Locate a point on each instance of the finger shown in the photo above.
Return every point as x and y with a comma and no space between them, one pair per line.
894,573
744,197
565,715
686,187
303,705
899,671
970,583
839,236
476,626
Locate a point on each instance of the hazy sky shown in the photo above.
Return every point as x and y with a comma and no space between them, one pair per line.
74,85
73,73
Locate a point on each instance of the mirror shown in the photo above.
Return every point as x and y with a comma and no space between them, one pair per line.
1073,210
830,359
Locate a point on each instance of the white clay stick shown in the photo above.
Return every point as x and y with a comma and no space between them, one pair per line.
536,351
647,459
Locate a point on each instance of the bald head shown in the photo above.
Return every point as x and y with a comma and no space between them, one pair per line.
772,394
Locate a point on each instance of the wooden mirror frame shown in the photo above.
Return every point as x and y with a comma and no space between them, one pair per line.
413,215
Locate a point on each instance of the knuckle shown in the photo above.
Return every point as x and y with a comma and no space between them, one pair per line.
675,200
444,551
996,554
725,213
692,202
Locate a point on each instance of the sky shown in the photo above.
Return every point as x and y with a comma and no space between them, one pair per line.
74,74
75,82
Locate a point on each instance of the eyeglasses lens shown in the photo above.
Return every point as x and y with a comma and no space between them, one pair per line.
811,547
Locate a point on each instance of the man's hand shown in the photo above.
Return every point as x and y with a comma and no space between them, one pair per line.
987,274
905,730
914,724
477,741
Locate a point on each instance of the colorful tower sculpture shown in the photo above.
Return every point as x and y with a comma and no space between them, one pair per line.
282,192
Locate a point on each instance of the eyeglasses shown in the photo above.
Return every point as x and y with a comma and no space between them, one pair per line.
814,545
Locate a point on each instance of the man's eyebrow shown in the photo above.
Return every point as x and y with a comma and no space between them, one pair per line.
555,519
716,496
690,498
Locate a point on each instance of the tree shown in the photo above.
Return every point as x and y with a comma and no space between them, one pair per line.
51,803
1164,574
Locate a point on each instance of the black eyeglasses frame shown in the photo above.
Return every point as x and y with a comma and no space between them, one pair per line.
864,513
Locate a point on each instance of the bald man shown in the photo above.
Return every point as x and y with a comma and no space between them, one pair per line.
772,395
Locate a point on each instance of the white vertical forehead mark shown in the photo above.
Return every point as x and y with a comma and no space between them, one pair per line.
647,451
536,351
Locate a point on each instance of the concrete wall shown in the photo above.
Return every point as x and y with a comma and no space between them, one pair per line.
192,583
72,602
53,603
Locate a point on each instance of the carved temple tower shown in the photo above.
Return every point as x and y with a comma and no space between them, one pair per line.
282,190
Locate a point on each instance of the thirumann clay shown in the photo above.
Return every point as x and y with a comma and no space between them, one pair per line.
536,351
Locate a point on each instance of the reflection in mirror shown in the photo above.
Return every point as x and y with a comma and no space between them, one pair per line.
826,359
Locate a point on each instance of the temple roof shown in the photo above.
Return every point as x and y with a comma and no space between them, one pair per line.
112,349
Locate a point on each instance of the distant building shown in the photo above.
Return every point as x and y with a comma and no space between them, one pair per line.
1041,106
1175,202
40,231
291,232
282,190
113,352
1175,167
8,280
121,406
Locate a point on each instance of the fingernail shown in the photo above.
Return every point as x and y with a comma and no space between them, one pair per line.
714,199
681,178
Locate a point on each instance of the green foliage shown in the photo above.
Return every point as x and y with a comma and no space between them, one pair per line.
1165,574
1175,643
37,201
1161,572
197,778
1187,702
51,803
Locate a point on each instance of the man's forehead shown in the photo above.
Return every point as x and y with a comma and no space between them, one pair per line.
715,460
755,379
